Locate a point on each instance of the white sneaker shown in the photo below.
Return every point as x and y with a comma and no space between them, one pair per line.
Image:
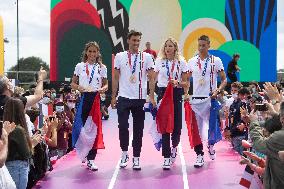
124,160
91,165
199,161
167,164
136,164
211,151
173,155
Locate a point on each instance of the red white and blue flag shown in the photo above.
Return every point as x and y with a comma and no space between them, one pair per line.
88,135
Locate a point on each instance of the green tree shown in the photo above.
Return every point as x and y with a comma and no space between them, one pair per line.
28,64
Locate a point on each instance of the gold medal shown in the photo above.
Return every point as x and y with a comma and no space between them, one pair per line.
202,81
132,78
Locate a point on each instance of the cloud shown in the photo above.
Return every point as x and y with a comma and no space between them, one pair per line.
34,29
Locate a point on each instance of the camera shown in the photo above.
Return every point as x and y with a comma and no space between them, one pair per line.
65,88
261,107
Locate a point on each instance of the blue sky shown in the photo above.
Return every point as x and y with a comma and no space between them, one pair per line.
34,27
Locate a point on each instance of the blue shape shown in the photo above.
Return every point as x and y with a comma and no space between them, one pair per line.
248,19
274,13
268,53
264,17
78,122
256,15
240,25
225,59
158,145
231,23
214,132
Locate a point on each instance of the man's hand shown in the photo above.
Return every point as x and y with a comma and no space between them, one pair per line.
272,92
214,94
252,116
113,102
281,155
42,74
241,126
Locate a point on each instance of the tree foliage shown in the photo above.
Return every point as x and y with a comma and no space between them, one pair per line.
28,64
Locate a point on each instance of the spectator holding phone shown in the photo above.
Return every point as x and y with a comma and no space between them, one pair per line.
274,172
63,129
19,143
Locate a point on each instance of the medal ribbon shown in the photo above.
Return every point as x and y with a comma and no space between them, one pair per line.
168,69
92,74
135,62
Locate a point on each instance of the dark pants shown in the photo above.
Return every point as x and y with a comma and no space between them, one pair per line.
199,149
166,144
124,107
232,77
87,104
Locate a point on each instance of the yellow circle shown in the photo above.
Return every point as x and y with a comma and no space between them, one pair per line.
190,47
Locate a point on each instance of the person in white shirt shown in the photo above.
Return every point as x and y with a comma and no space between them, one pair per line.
131,70
170,67
204,69
90,78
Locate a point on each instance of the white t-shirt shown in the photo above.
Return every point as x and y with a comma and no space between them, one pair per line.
175,70
202,76
144,62
98,71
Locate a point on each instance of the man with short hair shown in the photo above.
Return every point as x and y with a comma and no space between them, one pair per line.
204,68
7,90
131,70
149,50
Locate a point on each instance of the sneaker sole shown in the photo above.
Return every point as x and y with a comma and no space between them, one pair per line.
166,168
122,166
198,166
136,169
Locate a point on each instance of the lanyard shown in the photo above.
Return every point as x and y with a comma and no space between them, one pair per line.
168,69
92,74
205,65
135,62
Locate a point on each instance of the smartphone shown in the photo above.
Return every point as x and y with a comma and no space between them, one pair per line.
1,126
261,107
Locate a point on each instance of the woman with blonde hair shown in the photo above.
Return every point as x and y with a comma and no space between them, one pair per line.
171,69
90,78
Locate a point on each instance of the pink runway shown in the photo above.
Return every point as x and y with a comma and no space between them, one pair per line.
69,173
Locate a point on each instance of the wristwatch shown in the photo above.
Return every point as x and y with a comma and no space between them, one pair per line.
273,102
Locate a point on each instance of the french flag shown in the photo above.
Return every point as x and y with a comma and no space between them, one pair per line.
191,124
45,110
163,116
88,135
165,113
247,177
